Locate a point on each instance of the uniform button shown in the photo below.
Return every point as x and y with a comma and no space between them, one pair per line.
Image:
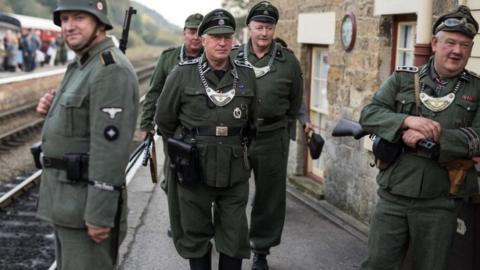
259,100
403,101
468,108
220,143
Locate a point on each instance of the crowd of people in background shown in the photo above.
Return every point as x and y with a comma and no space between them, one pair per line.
29,49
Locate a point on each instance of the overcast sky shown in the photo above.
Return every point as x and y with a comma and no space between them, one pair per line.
176,11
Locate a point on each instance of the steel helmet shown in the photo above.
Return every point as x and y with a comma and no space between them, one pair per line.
97,8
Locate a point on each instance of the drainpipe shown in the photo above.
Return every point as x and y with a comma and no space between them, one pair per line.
423,48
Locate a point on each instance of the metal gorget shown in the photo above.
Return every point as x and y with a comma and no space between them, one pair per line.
260,71
218,98
438,104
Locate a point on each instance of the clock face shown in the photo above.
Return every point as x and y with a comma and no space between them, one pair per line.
347,33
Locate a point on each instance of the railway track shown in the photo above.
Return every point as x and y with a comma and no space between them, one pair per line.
25,241
18,123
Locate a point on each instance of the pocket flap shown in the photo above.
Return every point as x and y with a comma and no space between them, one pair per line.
467,105
194,91
71,100
405,98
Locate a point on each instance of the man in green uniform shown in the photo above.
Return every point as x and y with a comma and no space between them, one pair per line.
89,124
280,84
190,49
438,102
209,103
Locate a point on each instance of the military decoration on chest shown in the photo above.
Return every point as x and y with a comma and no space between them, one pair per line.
260,71
438,104
218,98
111,133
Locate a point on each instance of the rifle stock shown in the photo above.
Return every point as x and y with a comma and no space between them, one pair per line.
346,128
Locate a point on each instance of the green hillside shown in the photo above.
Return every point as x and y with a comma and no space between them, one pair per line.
148,27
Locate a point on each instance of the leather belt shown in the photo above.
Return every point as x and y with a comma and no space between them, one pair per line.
218,131
55,163
270,120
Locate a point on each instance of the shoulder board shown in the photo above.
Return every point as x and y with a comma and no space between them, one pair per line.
189,62
242,63
473,74
107,58
169,50
411,69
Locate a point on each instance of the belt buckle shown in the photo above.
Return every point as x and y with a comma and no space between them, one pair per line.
221,131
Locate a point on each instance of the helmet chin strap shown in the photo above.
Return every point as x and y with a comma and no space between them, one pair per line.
93,36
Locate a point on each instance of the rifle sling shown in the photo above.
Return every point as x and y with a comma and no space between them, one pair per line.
418,108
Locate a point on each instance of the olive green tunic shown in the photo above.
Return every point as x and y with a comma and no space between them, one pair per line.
168,60
414,205
94,112
411,175
279,98
185,104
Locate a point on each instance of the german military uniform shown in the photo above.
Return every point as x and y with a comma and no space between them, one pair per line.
85,142
168,60
214,111
280,84
416,204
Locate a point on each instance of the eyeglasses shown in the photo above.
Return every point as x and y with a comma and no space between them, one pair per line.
453,22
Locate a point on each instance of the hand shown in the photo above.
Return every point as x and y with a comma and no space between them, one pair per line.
98,234
144,133
410,137
429,128
45,103
308,127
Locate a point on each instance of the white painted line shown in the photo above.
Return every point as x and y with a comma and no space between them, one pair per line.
54,266
25,182
32,76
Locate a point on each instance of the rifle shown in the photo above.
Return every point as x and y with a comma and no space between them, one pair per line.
150,156
385,152
126,28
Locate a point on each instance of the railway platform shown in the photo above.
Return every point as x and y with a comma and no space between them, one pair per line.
316,235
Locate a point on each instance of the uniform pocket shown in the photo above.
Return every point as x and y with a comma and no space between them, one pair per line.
405,103
465,112
195,105
73,116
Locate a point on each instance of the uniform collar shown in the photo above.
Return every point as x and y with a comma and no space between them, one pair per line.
227,79
94,51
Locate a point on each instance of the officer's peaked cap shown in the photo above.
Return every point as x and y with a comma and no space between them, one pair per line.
217,22
263,12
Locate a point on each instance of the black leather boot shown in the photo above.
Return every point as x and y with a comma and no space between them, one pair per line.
203,263
259,262
229,263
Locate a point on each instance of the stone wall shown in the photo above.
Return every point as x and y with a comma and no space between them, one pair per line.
353,77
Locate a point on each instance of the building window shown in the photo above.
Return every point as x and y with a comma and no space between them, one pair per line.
318,102
405,44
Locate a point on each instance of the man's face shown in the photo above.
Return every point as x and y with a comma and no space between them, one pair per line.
77,28
217,47
452,51
191,40
261,33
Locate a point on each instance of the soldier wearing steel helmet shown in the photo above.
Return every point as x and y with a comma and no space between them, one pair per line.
190,49
280,84
89,124
418,192
209,103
